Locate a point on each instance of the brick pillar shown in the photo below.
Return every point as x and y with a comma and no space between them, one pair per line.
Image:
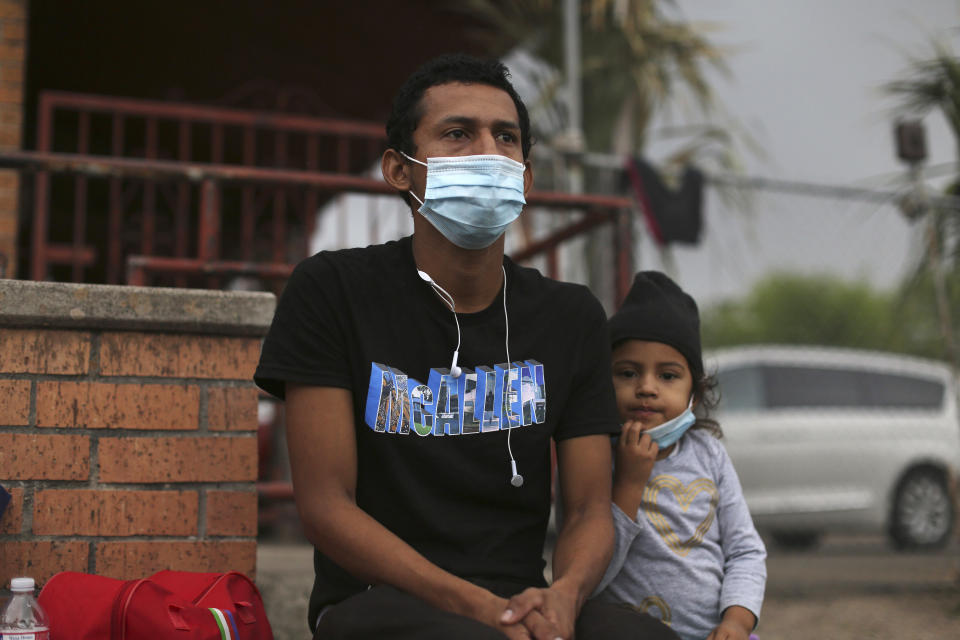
13,49
128,423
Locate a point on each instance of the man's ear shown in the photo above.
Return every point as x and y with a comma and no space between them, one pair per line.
527,178
395,170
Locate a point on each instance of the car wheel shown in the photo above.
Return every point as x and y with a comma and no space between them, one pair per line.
923,511
796,540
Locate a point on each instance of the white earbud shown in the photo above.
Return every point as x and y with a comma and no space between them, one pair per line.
455,371
517,479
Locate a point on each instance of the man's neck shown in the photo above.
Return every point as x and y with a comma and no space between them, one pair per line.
473,278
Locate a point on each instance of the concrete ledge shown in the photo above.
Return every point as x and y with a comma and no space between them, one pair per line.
87,306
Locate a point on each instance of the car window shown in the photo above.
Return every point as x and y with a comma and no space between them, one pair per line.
782,387
902,392
741,389
795,386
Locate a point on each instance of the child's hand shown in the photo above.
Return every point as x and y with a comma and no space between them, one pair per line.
728,631
636,453
736,624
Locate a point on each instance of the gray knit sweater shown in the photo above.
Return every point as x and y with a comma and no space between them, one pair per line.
694,550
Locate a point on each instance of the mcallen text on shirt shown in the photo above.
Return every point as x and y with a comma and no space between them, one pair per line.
509,396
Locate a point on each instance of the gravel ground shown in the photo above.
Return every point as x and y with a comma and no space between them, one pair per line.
917,613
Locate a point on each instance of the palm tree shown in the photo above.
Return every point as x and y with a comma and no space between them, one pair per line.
927,85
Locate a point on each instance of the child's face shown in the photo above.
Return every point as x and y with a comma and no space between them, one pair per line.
652,381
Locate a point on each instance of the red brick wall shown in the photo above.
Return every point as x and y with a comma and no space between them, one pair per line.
13,50
126,452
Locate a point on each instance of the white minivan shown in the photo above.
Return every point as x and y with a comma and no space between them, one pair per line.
838,440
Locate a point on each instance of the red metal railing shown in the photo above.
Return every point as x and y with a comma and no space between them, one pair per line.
148,217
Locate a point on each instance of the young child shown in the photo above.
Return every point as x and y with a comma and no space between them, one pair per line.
686,548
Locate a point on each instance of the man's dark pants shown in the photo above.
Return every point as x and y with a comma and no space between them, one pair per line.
384,612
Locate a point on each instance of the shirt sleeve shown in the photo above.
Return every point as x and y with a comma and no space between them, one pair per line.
626,531
745,568
591,407
307,338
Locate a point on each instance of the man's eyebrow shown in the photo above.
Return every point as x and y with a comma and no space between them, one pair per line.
472,122
506,124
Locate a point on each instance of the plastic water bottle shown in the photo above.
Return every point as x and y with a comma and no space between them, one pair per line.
22,618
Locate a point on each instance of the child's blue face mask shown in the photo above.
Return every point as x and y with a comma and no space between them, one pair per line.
471,200
670,431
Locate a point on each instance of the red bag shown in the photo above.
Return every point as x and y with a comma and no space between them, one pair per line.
179,605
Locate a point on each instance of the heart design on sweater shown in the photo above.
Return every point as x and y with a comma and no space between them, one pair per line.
685,495
651,602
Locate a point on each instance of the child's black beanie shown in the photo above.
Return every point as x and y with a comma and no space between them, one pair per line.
658,310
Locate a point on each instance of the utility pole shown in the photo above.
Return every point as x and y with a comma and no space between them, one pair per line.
573,143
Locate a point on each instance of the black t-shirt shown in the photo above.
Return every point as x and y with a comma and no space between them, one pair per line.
433,465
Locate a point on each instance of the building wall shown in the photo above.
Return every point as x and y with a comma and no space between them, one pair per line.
128,423
13,48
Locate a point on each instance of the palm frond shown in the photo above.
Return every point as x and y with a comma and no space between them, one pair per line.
931,84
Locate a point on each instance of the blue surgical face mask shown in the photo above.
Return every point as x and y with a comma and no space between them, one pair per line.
472,200
671,430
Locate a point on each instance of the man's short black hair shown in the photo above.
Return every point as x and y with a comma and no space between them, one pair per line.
453,67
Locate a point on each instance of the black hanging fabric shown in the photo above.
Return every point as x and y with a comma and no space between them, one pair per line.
672,215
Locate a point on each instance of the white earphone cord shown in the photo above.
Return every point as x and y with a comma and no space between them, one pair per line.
516,479
506,322
448,300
